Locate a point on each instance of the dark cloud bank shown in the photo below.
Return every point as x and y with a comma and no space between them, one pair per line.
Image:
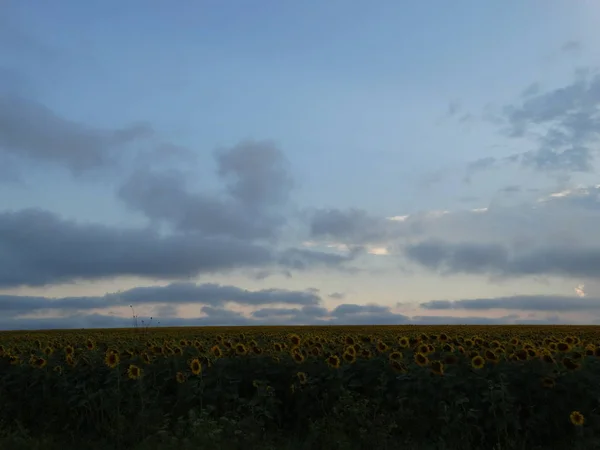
271,307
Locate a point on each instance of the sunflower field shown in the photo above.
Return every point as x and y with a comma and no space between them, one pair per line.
409,387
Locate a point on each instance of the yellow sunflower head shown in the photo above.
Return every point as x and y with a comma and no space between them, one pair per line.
477,362
333,361
577,418
195,366
134,372
111,359
421,359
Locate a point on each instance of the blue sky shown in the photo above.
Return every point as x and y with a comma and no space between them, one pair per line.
202,157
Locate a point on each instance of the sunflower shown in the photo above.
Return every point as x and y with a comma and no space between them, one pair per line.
240,349
577,418
216,351
69,350
366,353
333,361
563,347
350,349
349,357
277,347
48,350
71,362
39,363
437,367
302,378
295,339
298,357
423,348
111,359
58,369
90,344
403,342
396,356
14,360
349,340
477,362
421,359
134,372
382,347
195,366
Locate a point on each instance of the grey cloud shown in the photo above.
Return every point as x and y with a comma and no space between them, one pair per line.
38,248
106,321
337,295
357,227
208,294
571,46
478,165
351,309
532,89
352,225
495,259
451,320
270,312
214,294
31,130
453,108
586,198
519,302
165,198
512,189
301,259
258,183
564,124
258,172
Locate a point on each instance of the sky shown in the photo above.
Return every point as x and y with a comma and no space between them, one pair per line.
294,163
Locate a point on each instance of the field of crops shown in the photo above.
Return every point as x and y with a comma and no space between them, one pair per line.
411,387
